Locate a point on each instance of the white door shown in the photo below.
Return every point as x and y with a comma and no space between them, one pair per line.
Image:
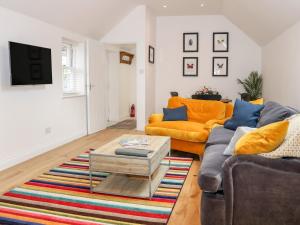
96,101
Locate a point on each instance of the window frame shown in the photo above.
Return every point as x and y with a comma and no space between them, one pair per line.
75,90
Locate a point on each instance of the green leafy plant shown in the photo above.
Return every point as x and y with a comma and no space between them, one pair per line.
252,85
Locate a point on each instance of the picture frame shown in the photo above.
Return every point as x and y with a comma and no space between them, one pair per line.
126,57
151,54
220,42
190,66
191,42
220,66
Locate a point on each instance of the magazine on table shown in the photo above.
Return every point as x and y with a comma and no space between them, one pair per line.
136,142
134,146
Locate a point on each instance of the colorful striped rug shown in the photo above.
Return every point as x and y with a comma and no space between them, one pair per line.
61,196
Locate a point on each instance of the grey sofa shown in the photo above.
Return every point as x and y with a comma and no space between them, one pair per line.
248,189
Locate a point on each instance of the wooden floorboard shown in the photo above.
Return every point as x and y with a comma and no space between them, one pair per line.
186,210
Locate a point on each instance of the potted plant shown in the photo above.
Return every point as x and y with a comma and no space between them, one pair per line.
206,93
252,85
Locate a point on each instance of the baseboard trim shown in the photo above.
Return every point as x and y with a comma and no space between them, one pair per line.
38,151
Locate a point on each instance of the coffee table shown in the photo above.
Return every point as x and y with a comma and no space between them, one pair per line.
129,175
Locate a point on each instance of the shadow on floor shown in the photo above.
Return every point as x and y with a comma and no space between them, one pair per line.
176,153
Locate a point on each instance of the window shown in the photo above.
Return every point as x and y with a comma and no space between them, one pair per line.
72,69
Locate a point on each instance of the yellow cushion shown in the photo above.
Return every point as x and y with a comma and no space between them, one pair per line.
262,140
181,130
291,145
259,101
200,110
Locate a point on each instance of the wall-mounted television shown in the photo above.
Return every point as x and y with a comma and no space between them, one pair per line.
30,64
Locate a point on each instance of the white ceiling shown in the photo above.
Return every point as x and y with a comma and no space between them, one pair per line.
262,20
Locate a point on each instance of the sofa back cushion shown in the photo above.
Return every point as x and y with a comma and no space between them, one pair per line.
200,111
273,112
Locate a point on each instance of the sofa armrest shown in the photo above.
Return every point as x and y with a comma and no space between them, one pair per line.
156,118
259,190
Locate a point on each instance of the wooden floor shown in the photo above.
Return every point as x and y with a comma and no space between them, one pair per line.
186,210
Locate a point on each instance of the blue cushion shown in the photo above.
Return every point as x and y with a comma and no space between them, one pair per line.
175,114
244,114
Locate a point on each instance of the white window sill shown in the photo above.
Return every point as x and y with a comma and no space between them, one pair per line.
73,95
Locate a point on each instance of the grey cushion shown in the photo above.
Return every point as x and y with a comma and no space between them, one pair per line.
219,135
293,110
210,175
273,112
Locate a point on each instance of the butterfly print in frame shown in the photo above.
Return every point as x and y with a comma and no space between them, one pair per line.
190,66
221,42
220,66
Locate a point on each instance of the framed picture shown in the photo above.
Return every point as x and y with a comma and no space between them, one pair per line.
190,42
151,54
220,66
190,66
221,42
126,57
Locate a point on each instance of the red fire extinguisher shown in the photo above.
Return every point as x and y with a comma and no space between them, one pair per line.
132,110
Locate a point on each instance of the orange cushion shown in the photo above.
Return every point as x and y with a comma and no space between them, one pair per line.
181,130
200,110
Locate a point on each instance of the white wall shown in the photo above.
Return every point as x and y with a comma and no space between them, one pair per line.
131,30
127,93
150,68
281,59
121,85
139,28
244,56
26,111
113,85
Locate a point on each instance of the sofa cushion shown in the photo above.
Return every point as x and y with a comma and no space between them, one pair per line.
181,130
219,135
273,112
210,175
244,114
200,111
175,114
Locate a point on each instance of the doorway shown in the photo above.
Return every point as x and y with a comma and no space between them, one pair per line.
121,87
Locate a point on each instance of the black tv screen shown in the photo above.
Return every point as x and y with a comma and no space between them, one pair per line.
30,64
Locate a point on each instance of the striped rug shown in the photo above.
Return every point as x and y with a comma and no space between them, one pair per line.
61,196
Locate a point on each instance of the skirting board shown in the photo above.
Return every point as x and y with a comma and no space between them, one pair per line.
33,153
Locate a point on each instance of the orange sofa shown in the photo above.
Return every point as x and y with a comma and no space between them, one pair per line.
190,136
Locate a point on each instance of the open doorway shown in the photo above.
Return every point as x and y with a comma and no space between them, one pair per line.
121,86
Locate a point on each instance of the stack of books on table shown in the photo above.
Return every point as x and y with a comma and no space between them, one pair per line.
134,147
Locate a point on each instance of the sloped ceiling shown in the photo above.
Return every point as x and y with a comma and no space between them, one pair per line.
262,20
92,18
